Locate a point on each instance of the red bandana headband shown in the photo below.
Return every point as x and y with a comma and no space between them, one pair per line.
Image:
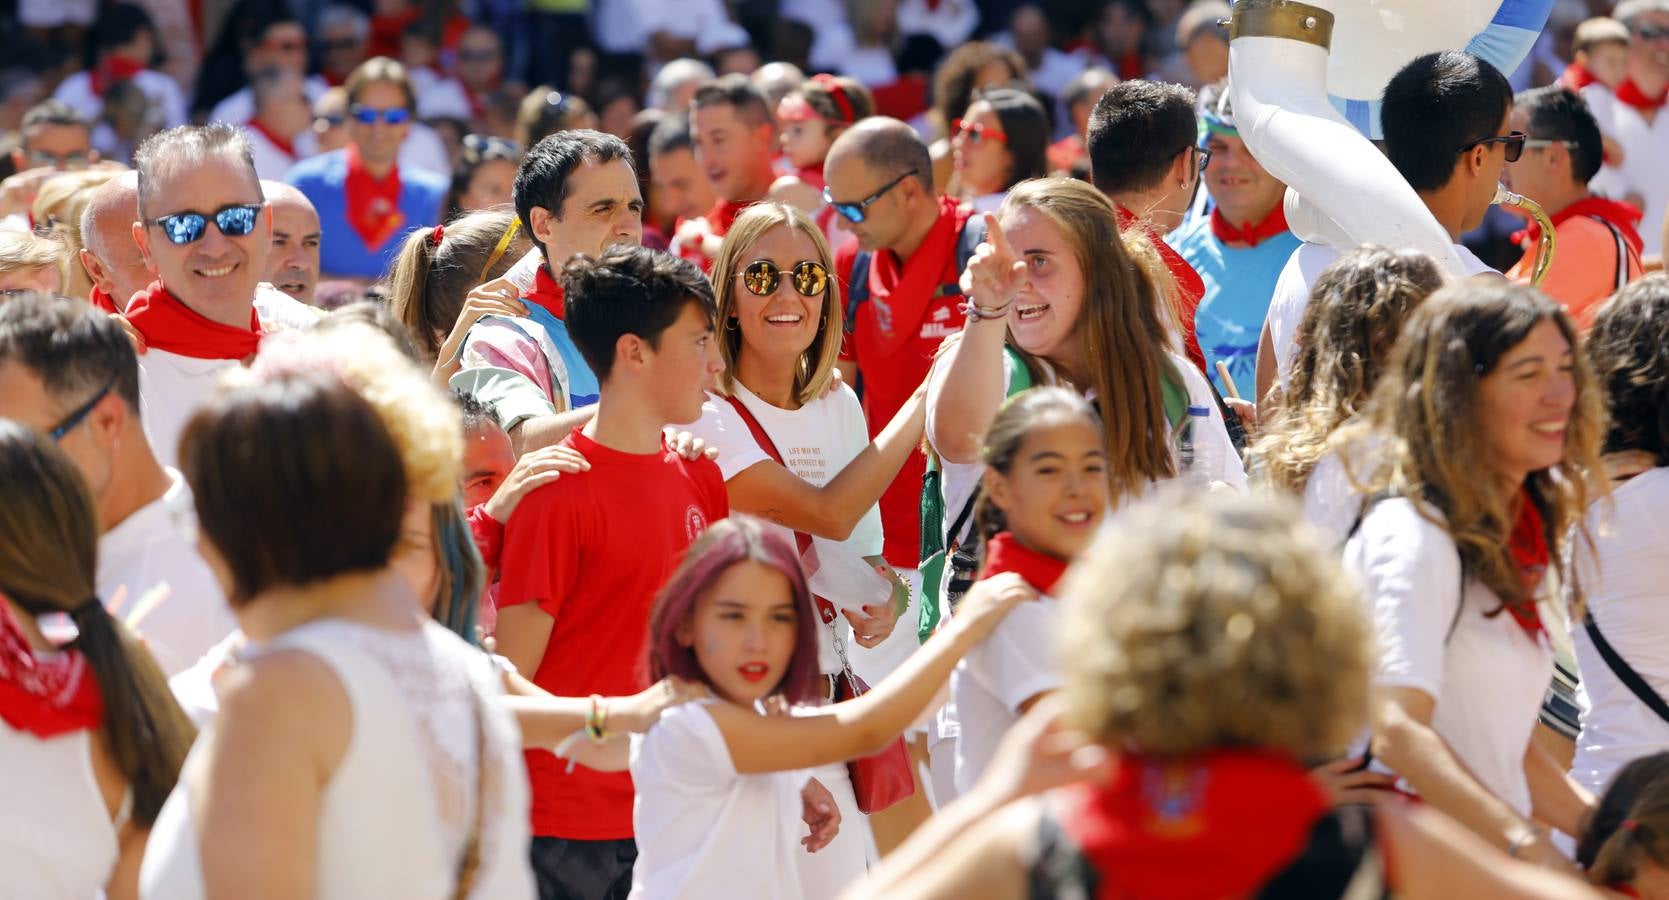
830,84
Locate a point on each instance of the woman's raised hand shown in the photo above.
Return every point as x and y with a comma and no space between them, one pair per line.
995,273
499,297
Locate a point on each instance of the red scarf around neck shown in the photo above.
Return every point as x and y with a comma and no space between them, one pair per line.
1005,553
724,213
101,301
912,282
113,70
811,175
1624,216
373,206
1219,824
1576,77
169,325
546,292
1254,233
285,145
45,695
1528,546
1630,93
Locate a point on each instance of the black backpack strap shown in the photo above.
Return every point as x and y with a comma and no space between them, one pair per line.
973,234
1624,672
1620,279
857,289
962,518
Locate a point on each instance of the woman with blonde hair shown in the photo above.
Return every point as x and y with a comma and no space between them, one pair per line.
792,450
57,208
31,262
436,270
1212,649
90,738
1472,468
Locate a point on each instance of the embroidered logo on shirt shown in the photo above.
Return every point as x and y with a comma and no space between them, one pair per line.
694,523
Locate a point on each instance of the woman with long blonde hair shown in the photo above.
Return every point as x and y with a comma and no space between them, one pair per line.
1472,466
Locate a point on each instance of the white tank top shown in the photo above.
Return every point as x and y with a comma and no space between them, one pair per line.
395,816
56,837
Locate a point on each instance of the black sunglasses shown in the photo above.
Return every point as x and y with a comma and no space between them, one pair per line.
854,212
1512,144
1204,157
485,146
81,412
762,277
187,227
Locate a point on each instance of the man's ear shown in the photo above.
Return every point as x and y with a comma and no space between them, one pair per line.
633,351
1179,174
540,218
142,237
95,272
108,417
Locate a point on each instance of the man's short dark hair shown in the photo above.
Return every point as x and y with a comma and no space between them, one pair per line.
737,91
628,290
1136,129
1436,105
53,112
542,179
477,412
1560,115
74,349
671,133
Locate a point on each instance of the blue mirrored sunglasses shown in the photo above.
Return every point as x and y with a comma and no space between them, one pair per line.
854,212
186,227
366,115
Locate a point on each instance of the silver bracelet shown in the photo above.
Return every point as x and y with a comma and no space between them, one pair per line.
984,313
1524,837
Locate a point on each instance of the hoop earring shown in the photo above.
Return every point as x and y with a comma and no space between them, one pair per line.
730,324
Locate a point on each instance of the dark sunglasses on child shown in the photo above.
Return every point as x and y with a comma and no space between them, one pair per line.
189,227
762,277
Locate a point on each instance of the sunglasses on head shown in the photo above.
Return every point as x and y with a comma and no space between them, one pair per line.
762,278
366,115
1512,144
188,227
80,413
854,212
975,133
485,146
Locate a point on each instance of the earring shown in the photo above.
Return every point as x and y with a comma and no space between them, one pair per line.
730,324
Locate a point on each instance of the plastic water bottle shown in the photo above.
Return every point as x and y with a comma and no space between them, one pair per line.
1199,454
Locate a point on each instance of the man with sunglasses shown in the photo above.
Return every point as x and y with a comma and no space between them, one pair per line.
278,45
1445,118
367,197
1634,116
205,231
70,372
56,138
1598,246
1143,155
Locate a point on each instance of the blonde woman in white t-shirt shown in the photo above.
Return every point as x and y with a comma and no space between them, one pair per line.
1483,427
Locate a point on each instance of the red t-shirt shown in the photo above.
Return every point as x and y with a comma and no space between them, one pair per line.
593,550
910,324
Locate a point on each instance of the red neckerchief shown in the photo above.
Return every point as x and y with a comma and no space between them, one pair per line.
1220,824
1630,93
44,695
1528,546
1576,77
285,145
111,71
373,206
101,301
1190,286
812,175
1622,215
916,278
167,324
1005,553
1254,233
546,292
724,213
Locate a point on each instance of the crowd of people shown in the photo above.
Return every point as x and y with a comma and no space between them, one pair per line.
942,474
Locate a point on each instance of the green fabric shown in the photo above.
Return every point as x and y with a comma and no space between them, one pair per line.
933,550
1175,394
513,395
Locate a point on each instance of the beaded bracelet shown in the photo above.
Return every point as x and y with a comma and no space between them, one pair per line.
983,313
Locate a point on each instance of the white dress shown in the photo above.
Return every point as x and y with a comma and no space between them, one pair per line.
396,815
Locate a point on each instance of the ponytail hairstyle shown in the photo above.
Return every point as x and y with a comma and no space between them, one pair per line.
48,555
438,267
1015,419
1629,825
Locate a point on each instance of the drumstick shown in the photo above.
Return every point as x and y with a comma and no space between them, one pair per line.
1228,382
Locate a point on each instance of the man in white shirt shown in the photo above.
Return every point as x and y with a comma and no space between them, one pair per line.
280,46
1445,122
281,130
1635,116
71,372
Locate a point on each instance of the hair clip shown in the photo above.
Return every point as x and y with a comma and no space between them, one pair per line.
1631,826
436,235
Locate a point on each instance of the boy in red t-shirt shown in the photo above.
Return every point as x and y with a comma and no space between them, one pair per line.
584,556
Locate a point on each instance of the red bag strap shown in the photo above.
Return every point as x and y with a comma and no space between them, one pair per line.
803,540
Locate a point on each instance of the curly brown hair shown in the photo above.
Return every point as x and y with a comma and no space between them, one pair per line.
955,82
1357,309
1630,357
1204,620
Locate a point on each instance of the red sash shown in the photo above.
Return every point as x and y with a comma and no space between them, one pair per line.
373,206
167,324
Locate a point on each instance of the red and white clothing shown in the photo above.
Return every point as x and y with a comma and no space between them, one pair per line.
592,552
913,305
84,92
1624,587
1645,145
273,153
239,106
149,567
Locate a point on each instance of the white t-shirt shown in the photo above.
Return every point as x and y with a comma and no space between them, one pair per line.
155,548
1623,581
1645,145
239,106
1331,502
702,829
816,441
1292,295
77,92
271,160
1488,678
1018,661
57,841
